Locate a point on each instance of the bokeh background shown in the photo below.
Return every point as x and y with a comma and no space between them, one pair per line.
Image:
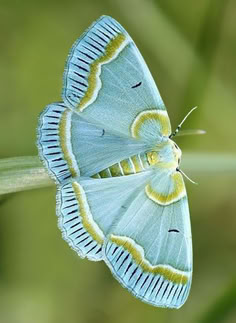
190,48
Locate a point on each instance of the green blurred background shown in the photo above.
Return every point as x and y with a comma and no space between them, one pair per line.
190,48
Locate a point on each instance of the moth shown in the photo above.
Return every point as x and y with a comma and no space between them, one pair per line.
121,196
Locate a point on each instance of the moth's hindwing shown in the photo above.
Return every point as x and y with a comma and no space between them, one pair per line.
149,251
86,213
108,83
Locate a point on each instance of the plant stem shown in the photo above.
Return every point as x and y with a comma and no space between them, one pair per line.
25,173
22,173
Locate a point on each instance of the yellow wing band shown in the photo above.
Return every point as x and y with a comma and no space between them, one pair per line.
88,223
168,272
65,141
94,83
147,117
175,195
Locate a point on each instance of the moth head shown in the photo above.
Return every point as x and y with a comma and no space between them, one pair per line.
177,152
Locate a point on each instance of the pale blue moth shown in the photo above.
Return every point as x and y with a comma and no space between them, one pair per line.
121,197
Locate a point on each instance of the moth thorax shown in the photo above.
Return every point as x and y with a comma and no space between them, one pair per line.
168,155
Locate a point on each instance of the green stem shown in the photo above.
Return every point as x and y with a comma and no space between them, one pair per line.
25,173
22,173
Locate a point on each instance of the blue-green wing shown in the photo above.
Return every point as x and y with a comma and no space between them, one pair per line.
108,83
149,250
70,146
144,239
88,208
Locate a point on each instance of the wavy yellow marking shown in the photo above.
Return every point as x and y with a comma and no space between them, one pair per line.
110,51
127,169
136,163
92,228
147,116
63,140
173,275
163,199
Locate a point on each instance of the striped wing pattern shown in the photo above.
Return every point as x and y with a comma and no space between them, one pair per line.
74,220
50,134
152,288
87,54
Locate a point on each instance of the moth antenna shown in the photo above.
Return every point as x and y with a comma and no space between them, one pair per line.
179,170
180,125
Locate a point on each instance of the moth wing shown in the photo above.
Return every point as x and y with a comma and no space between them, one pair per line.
149,250
87,209
70,146
108,83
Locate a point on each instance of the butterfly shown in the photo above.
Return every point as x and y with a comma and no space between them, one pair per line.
121,197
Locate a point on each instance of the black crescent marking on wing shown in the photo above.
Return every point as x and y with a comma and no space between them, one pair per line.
83,240
54,117
95,41
80,67
144,281
133,272
75,225
102,39
87,244
136,85
121,253
104,34
75,231
71,219
124,260
57,159
107,30
138,280
114,250
57,111
165,290
92,249
127,269
80,235
96,54
149,285
155,285
180,292
87,55
95,47
68,206
159,288
116,31
100,249
76,210
170,291
82,60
